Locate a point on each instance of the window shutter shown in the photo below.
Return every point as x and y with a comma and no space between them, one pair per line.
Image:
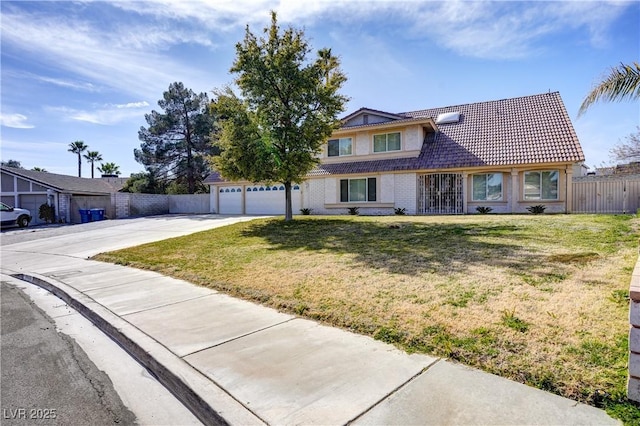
371,189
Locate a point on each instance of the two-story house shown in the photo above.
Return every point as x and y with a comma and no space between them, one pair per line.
507,154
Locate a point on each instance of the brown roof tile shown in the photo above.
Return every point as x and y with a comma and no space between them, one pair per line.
526,130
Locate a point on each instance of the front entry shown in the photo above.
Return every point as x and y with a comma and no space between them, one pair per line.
440,193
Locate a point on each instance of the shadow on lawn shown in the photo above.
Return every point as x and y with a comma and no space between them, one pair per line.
402,247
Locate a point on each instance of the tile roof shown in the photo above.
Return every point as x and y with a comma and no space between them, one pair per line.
518,131
66,183
509,132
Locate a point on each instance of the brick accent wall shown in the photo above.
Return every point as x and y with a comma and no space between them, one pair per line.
406,192
64,207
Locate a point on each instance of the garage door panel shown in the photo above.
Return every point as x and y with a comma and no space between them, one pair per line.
230,200
265,199
270,199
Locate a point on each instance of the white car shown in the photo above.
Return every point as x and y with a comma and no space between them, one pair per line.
14,216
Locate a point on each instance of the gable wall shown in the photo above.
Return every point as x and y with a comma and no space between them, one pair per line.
371,119
412,139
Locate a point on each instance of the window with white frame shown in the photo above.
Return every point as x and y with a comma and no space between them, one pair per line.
541,185
487,187
358,190
386,142
340,147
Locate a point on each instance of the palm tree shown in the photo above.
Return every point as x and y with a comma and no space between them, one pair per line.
92,157
38,169
78,147
327,63
109,169
621,84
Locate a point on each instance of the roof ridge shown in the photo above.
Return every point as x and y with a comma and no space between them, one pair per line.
482,102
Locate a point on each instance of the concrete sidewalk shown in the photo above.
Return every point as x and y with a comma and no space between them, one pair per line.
233,361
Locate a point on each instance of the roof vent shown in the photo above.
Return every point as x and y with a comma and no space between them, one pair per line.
448,117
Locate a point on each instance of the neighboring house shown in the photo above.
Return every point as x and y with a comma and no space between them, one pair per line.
29,189
632,168
508,154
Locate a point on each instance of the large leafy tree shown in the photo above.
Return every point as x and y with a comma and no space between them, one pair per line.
288,109
92,157
176,141
78,147
145,182
622,83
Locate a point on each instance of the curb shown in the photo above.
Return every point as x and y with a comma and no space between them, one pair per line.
211,404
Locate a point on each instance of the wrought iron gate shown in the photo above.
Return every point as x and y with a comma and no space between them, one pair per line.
440,193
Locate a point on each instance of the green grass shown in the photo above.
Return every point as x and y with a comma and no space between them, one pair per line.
538,299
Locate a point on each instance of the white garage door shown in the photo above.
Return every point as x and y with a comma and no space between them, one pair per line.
230,200
270,199
265,199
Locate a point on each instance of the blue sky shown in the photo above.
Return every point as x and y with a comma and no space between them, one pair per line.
91,70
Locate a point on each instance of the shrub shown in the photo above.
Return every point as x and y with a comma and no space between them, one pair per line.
483,209
400,211
354,210
538,209
47,213
306,211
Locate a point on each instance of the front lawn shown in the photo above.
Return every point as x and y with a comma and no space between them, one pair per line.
538,299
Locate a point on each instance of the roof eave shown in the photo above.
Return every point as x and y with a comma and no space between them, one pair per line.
426,122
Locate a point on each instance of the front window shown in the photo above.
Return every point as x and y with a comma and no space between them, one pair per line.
357,190
340,147
541,185
386,142
487,187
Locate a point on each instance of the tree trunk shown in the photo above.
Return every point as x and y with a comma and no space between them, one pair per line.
288,215
79,165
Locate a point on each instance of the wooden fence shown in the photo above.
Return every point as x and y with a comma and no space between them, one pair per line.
606,194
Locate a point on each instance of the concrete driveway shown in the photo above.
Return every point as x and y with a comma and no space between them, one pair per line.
88,239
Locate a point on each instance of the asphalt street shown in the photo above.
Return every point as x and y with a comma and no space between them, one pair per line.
46,377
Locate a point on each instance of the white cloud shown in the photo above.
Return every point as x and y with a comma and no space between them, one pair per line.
506,30
109,114
141,104
76,85
16,121
117,59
